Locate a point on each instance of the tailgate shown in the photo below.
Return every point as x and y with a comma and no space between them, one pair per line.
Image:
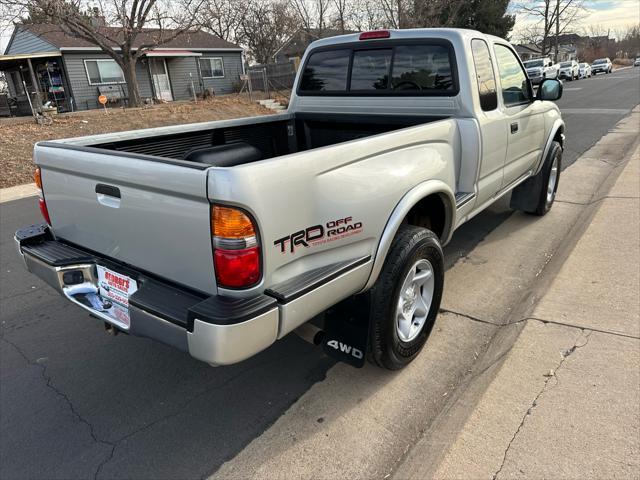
160,223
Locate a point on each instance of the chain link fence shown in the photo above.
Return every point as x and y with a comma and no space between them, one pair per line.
273,80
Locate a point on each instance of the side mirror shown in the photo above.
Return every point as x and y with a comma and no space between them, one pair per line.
550,89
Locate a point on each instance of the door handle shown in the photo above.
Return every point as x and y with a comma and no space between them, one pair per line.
108,190
108,195
514,127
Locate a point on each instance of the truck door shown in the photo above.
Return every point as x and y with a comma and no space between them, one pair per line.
524,117
491,122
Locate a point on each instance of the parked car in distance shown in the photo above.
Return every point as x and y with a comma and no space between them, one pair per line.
636,63
540,68
601,65
585,70
220,238
569,70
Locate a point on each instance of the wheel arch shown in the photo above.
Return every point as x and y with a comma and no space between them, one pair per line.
432,199
556,133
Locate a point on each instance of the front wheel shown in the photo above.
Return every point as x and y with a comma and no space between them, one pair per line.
406,297
537,194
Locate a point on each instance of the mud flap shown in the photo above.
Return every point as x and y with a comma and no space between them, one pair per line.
525,197
346,331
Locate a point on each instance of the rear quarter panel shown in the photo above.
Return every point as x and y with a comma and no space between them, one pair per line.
362,180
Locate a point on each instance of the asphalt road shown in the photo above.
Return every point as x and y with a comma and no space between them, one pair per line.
77,403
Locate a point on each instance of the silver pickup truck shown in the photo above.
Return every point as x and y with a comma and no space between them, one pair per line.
220,238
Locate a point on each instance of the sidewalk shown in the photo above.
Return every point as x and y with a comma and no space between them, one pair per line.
565,402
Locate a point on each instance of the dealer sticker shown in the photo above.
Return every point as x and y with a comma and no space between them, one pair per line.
115,290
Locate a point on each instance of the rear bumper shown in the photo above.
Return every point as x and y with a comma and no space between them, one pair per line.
216,330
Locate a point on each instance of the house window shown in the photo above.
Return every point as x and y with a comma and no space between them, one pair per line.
212,67
103,71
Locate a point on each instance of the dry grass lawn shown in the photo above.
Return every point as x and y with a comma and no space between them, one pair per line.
17,139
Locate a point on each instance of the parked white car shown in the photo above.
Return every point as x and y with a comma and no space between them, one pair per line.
585,70
569,70
601,65
636,63
539,69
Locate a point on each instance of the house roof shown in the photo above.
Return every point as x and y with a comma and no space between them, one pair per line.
196,39
528,48
297,43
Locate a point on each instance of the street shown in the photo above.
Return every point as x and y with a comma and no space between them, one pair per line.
79,403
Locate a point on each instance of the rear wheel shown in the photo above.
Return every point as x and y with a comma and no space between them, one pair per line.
406,297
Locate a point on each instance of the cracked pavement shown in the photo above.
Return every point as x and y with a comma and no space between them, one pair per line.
561,397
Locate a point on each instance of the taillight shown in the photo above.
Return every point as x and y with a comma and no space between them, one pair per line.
37,178
375,34
236,253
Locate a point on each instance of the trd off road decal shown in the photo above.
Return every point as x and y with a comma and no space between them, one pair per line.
319,234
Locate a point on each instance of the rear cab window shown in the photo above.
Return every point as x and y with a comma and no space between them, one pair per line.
484,72
388,69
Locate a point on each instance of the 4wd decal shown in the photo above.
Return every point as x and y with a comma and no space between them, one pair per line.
319,234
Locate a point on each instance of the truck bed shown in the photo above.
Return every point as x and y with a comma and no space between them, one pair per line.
226,143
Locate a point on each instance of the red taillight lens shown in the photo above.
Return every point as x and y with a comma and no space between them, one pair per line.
43,210
237,268
37,178
236,253
375,34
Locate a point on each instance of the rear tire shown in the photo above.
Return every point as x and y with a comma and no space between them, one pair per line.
406,298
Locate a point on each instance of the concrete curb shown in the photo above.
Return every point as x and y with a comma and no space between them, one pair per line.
16,193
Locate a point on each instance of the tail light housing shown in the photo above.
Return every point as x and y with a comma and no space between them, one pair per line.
236,253
37,178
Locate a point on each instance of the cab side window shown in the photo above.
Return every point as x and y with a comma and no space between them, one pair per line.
513,79
484,73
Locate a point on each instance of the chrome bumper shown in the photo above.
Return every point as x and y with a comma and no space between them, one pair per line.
216,330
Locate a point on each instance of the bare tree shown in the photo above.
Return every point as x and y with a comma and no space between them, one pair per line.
343,11
395,13
554,17
368,16
265,27
121,28
313,15
222,17
542,13
532,34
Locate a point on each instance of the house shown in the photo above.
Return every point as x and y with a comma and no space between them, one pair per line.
528,51
294,47
72,73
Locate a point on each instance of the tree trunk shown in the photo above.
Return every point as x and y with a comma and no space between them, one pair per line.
129,70
557,29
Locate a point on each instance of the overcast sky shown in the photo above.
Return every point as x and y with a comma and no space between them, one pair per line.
613,14
607,14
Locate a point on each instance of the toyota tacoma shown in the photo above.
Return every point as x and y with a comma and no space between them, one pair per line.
220,238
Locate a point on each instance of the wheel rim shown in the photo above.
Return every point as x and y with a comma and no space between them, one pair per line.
553,179
414,301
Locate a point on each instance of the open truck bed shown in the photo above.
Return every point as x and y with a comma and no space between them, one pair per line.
224,143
